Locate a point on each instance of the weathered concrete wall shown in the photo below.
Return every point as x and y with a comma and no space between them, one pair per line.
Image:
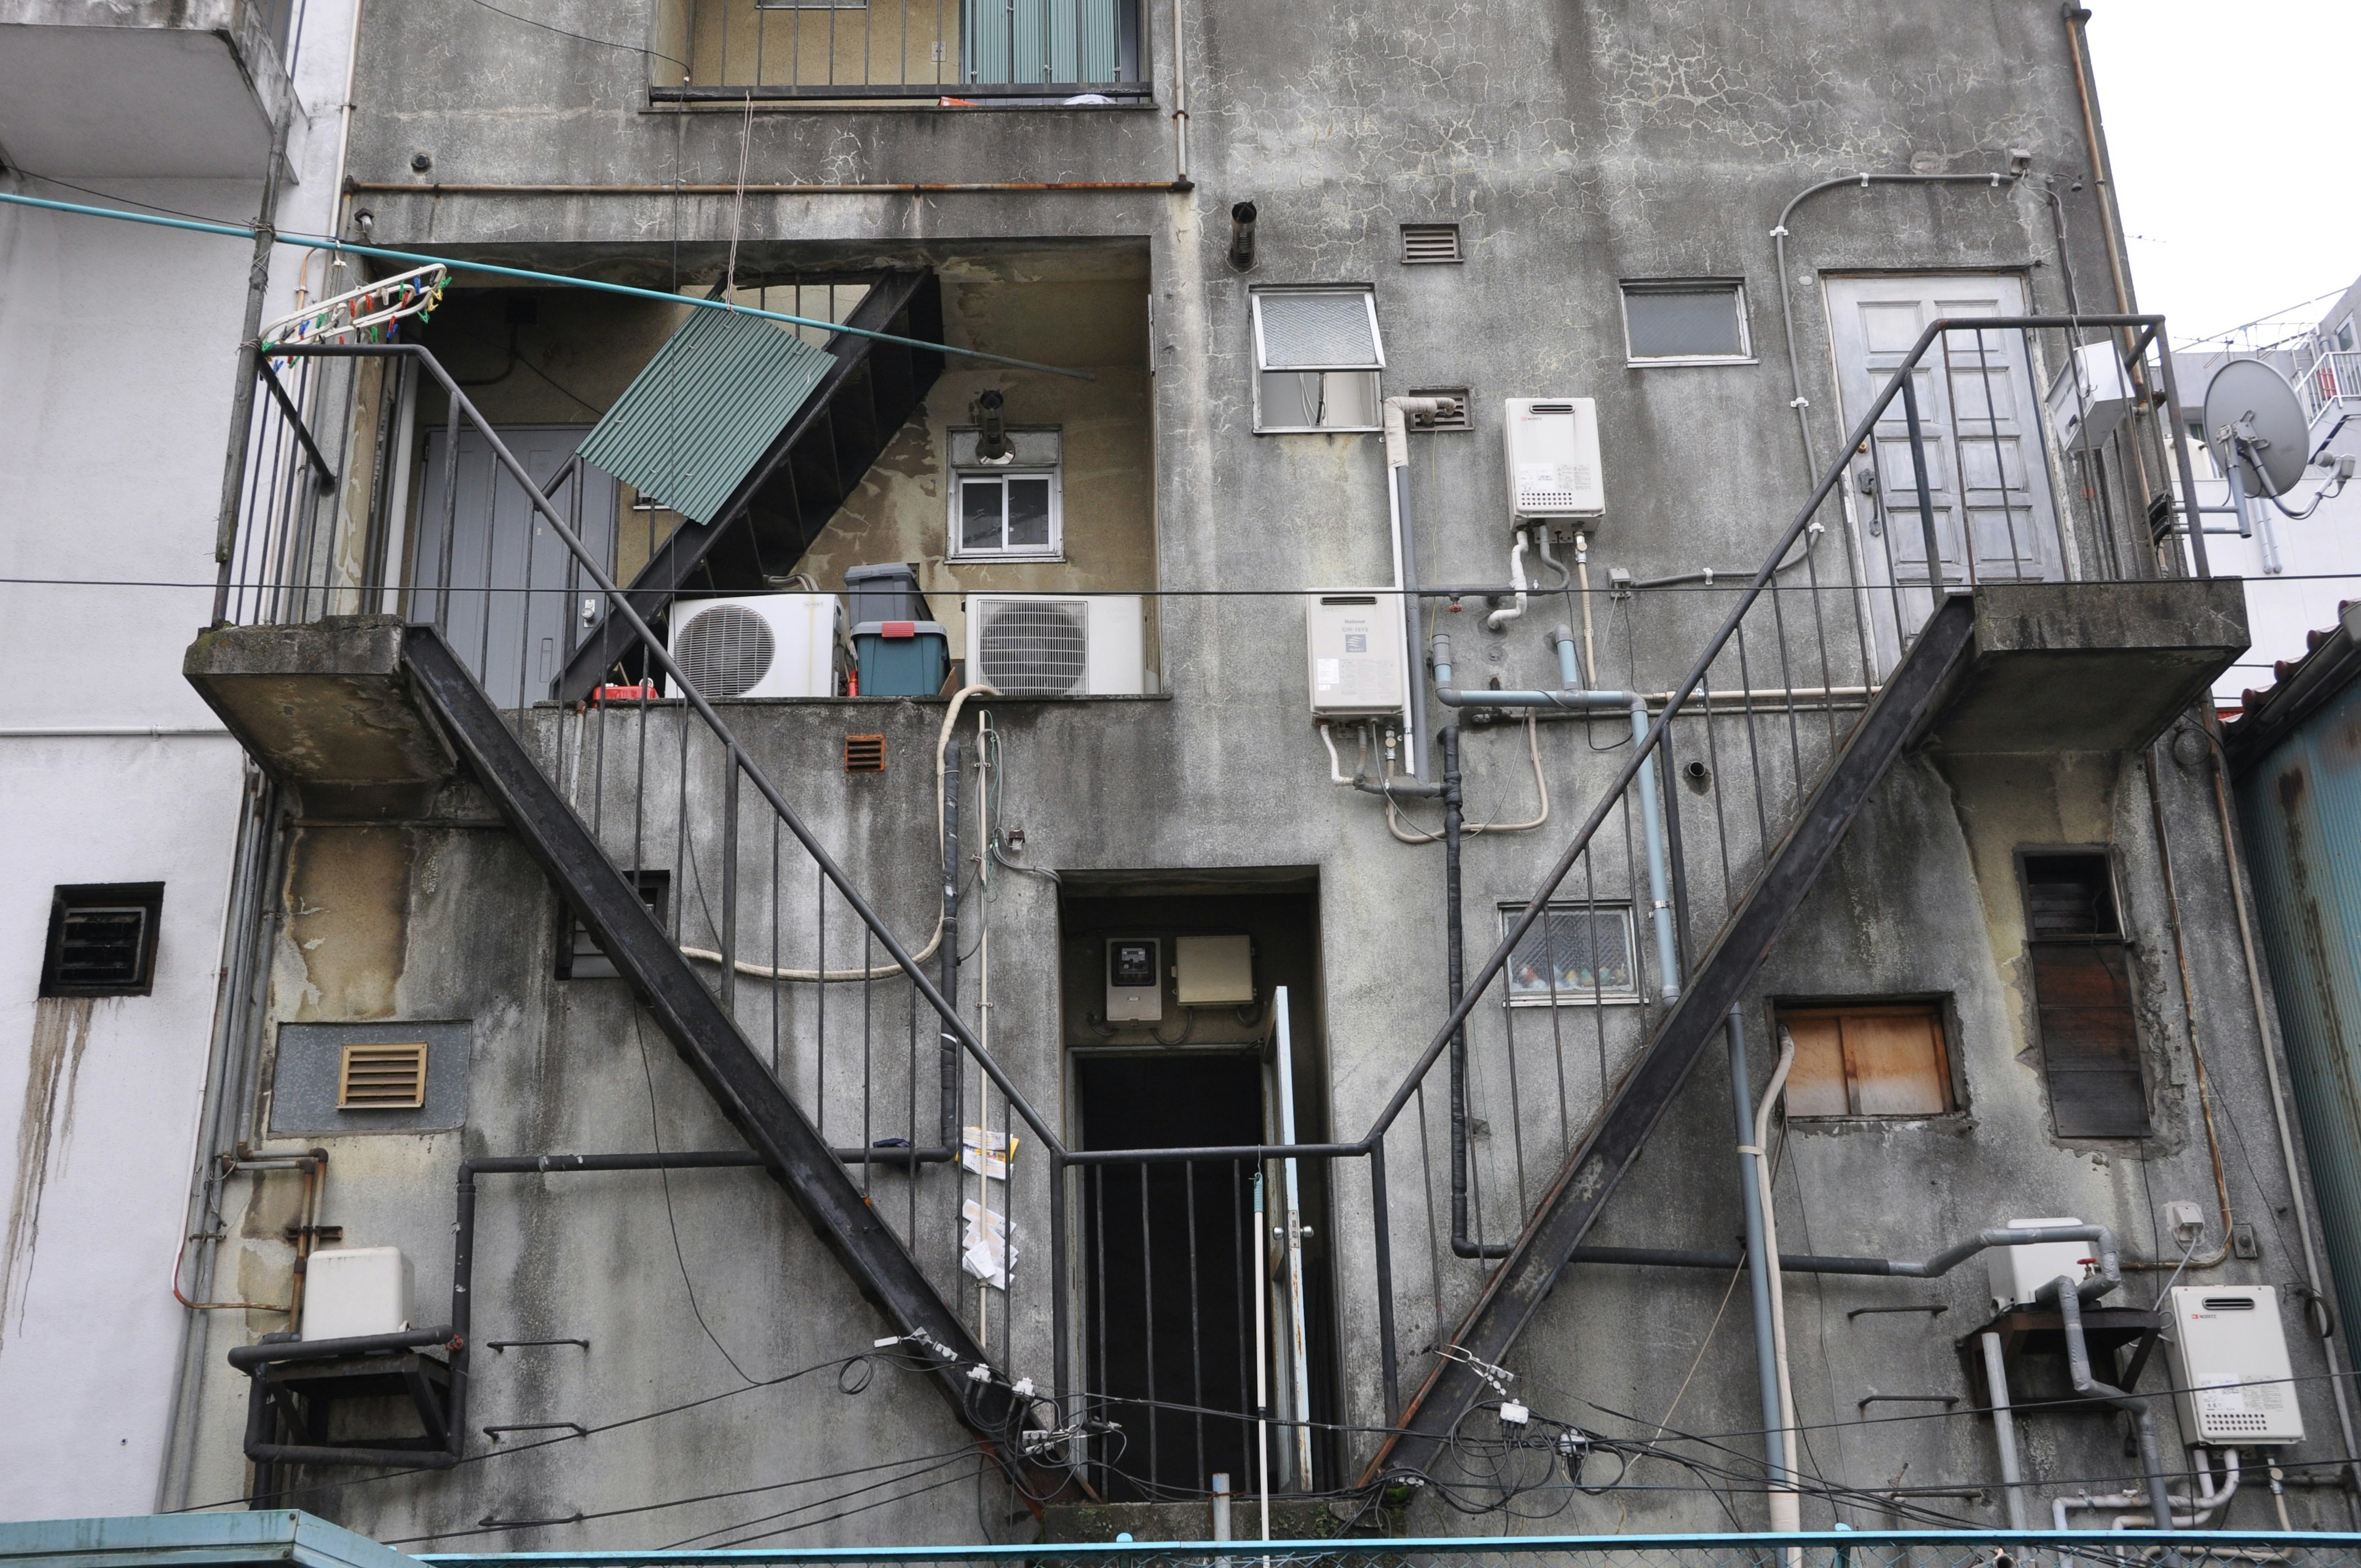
1576,146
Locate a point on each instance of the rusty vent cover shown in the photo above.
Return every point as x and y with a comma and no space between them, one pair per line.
864,754
1430,244
383,1077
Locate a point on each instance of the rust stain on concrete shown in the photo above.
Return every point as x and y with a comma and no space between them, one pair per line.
348,909
44,1126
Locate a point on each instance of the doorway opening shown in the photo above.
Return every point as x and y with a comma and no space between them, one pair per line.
1173,1037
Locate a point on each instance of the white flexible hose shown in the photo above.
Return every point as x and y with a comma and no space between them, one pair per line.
1494,621
878,972
1540,784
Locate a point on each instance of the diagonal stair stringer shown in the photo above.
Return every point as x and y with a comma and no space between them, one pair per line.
1597,1163
694,1019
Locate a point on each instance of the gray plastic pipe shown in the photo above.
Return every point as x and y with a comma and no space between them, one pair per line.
1766,1359
1572,698
2012,1470
2069,1297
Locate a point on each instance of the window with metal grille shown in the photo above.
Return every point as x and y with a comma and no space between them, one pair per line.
1692,321
1430,244
1317,356
1463,419
1575,954
1883,1058
382,1077
2082,994
101,939
579,956
864,754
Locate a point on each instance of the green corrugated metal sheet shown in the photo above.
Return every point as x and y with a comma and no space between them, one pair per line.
272,1539
692,424
2300,808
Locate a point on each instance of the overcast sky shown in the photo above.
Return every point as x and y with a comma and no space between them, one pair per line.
2232,129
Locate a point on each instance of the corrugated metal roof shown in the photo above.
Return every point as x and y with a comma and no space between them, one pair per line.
692,424
272,1539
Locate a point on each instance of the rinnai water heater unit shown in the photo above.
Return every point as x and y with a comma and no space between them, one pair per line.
1356,653
761,645
1552,445
2230,1369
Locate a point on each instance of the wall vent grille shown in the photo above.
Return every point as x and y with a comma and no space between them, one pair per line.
383,1077
864,754
1430,244
1463,419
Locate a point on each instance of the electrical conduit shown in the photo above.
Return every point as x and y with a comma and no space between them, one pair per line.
1786,1505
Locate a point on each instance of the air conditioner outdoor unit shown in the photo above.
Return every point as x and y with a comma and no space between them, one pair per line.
761,645
1056,644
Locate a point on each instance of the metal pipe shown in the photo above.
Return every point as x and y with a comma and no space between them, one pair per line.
869,188
241,402
2068,1293
1786,1506
1395,422
2011,1473
1454,970
1181,181
1652,818
1935,1267
1299,1344
1741,1090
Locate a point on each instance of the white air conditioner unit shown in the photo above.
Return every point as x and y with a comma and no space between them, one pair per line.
759,645
1056,644
1553,449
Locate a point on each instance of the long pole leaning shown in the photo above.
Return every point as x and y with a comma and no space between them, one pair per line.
241,402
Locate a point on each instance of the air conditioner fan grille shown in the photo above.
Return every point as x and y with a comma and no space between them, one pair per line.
1032,649
725,651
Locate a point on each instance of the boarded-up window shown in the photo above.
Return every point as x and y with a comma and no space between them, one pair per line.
2082,995
1873,1059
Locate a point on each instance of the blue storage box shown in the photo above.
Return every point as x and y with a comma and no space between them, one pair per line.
901,658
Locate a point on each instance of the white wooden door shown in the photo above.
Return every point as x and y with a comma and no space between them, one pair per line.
1987,473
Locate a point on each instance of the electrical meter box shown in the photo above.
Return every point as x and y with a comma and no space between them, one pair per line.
1135,979
1356,649
2089,397
1212,972
2230,1366
1554,458
354,1290
2018,1273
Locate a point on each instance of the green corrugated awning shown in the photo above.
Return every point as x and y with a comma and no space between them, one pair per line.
692,424
270,1539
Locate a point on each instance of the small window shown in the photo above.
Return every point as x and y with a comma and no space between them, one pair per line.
2344,336
1575,954
1690,321
383,1077
1317,356
2081,973
101,939
1430,244
1012,510
579,956
1873,1060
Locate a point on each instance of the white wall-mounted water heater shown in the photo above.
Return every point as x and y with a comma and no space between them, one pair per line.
1553,450
2230,1367
1356,649
1057,644
761,645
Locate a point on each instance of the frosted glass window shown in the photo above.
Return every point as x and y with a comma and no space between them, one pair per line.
1702,320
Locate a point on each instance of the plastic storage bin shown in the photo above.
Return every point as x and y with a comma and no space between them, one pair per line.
901,658
886,592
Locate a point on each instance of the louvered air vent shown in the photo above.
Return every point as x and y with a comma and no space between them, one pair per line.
1034,647
1463,419
1430,244
864,754
725,651
383,1077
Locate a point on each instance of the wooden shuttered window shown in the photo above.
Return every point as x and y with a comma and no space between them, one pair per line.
1870,1059
2081,969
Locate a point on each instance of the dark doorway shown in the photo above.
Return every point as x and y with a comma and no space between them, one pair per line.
1169,1287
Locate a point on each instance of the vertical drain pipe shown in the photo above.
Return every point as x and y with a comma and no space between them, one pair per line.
1758,1265
2012,1475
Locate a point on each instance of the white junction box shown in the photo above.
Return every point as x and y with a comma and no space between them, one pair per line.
1356,649
2089,397
2018,1273
2230,1366
1135,979
761,645
354,1290
1212,972
1552,446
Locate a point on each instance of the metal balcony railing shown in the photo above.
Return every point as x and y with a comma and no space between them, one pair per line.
733,50
2334,378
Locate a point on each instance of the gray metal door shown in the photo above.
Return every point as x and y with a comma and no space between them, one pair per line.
512,611
1987,473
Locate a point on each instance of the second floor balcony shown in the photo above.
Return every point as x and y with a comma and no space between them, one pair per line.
2331,384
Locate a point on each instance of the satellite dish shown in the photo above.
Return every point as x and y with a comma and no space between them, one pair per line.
2254,399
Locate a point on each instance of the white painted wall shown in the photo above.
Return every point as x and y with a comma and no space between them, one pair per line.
119,343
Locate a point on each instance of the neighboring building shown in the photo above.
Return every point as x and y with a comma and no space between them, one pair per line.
124,795
1129,291
2299,571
